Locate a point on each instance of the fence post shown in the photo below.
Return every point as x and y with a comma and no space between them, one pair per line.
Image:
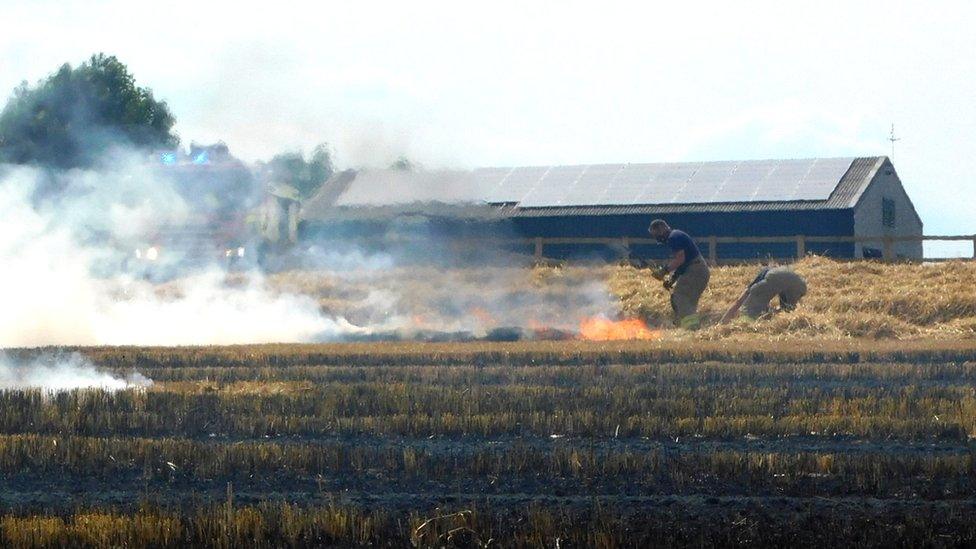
538,248
801,246
292,223
886,249
974,248
626,243
713,250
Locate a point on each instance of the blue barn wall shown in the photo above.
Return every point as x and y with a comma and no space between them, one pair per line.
700,225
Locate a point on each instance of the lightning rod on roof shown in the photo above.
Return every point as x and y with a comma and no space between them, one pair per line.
892,138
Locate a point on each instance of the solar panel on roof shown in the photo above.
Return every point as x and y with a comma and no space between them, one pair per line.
593,184
781,181
670,182
563,185
692,183
743,183
634,182
598,185
812,179
605,185
486,182
554,186
822,178
708,181
517,184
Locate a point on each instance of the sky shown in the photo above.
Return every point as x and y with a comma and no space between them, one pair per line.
458,84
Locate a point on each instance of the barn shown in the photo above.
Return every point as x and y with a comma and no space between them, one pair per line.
577,210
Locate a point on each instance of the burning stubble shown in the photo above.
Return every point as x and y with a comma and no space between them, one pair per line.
495,302
600,328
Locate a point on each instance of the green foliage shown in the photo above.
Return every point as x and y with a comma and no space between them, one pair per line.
75,114
403,164
305,176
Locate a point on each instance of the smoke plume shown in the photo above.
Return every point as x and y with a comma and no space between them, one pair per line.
62,282
69,275
53,373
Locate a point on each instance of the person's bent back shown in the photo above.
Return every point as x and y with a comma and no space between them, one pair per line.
771,282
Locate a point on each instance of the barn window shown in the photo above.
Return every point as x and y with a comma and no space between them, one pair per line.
887,212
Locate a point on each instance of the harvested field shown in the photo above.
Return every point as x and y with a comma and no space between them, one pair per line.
860,299
849,421
614,444
845,299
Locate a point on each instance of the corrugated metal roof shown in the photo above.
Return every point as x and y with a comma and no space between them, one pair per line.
392,187
318,206
467,212
590,190
856,180
351,195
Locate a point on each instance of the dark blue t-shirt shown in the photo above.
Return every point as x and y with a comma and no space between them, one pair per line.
679,240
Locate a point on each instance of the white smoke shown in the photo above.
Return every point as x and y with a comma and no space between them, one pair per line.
61,282
63,374
49,253
209,312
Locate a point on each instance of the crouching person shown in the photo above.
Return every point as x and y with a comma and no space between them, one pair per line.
686,275
769,283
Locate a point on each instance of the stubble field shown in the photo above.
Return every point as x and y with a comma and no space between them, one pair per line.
850,420
588,444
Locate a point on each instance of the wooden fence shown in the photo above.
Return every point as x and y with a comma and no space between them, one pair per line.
800,241
538,244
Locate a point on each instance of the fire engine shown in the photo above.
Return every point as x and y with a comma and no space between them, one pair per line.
218,226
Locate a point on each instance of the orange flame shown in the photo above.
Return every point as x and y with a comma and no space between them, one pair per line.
599,328
482,316
535,325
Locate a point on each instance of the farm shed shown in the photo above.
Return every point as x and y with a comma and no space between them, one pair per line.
820,198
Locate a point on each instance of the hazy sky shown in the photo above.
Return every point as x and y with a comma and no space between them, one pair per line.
521,83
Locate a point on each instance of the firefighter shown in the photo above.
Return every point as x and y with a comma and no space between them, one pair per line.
769,283
686,275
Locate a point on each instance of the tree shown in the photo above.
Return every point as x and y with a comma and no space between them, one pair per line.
70,118
306,176
403,164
